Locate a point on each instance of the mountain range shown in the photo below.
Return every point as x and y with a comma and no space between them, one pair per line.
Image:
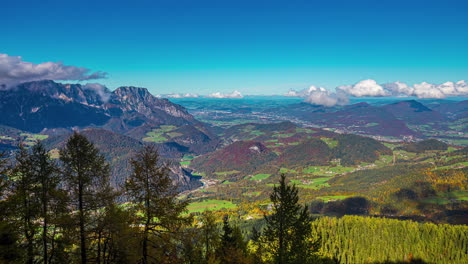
130,116
120,122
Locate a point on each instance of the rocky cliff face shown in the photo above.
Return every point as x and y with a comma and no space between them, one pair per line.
56,109
40,105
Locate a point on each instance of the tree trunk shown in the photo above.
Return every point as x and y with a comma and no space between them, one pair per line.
28,233
145,246
82,226
44,228
99,247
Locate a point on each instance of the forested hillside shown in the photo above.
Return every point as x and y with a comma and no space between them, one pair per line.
66,211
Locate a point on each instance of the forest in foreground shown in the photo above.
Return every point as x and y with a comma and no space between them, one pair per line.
67,212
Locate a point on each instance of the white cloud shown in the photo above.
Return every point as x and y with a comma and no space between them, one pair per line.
14,70
398,88
291,93
178,95
321,96
426,90
235,94
448,88
326,98
462,88
100,89
364,88
304,92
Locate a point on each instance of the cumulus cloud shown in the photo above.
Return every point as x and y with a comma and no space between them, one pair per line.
364,88
462,88
319,96
100,89
326,98
398,88
179,95
426,90
304,92
291,93
235,94
14,70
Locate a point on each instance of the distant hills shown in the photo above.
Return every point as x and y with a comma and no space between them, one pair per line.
119,122
52,108
404,119
269,147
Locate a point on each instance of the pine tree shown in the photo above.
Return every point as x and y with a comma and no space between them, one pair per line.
233,248
287,232
151,190
8,236
45,174
86,175
24,201
209,235
4,181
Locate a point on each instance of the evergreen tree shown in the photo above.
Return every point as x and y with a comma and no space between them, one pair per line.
25,202
152,191
233,248
288,228
45,174
209,235
86,175
114,236
8,236
4,181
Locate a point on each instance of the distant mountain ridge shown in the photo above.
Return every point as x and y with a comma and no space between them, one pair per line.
118,122
54,108
30,106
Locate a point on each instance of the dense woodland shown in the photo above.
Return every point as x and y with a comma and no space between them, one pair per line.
66,211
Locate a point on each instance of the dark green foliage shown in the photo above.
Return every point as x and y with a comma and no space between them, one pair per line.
356,239
349,206
9,237
382,179
425,145
352,149
233,248
45,173
25,202
4,181
209,235
287,235
86,175
316,206
151,190
115,236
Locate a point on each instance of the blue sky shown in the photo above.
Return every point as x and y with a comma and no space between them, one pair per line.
256,47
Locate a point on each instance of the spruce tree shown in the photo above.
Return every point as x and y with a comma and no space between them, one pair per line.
24,201
45,174
233,248
8,234
209,235
86,175
153,193
287,236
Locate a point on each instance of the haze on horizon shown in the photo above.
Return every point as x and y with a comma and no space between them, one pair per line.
261,47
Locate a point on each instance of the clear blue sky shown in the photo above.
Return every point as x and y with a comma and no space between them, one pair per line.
256,47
